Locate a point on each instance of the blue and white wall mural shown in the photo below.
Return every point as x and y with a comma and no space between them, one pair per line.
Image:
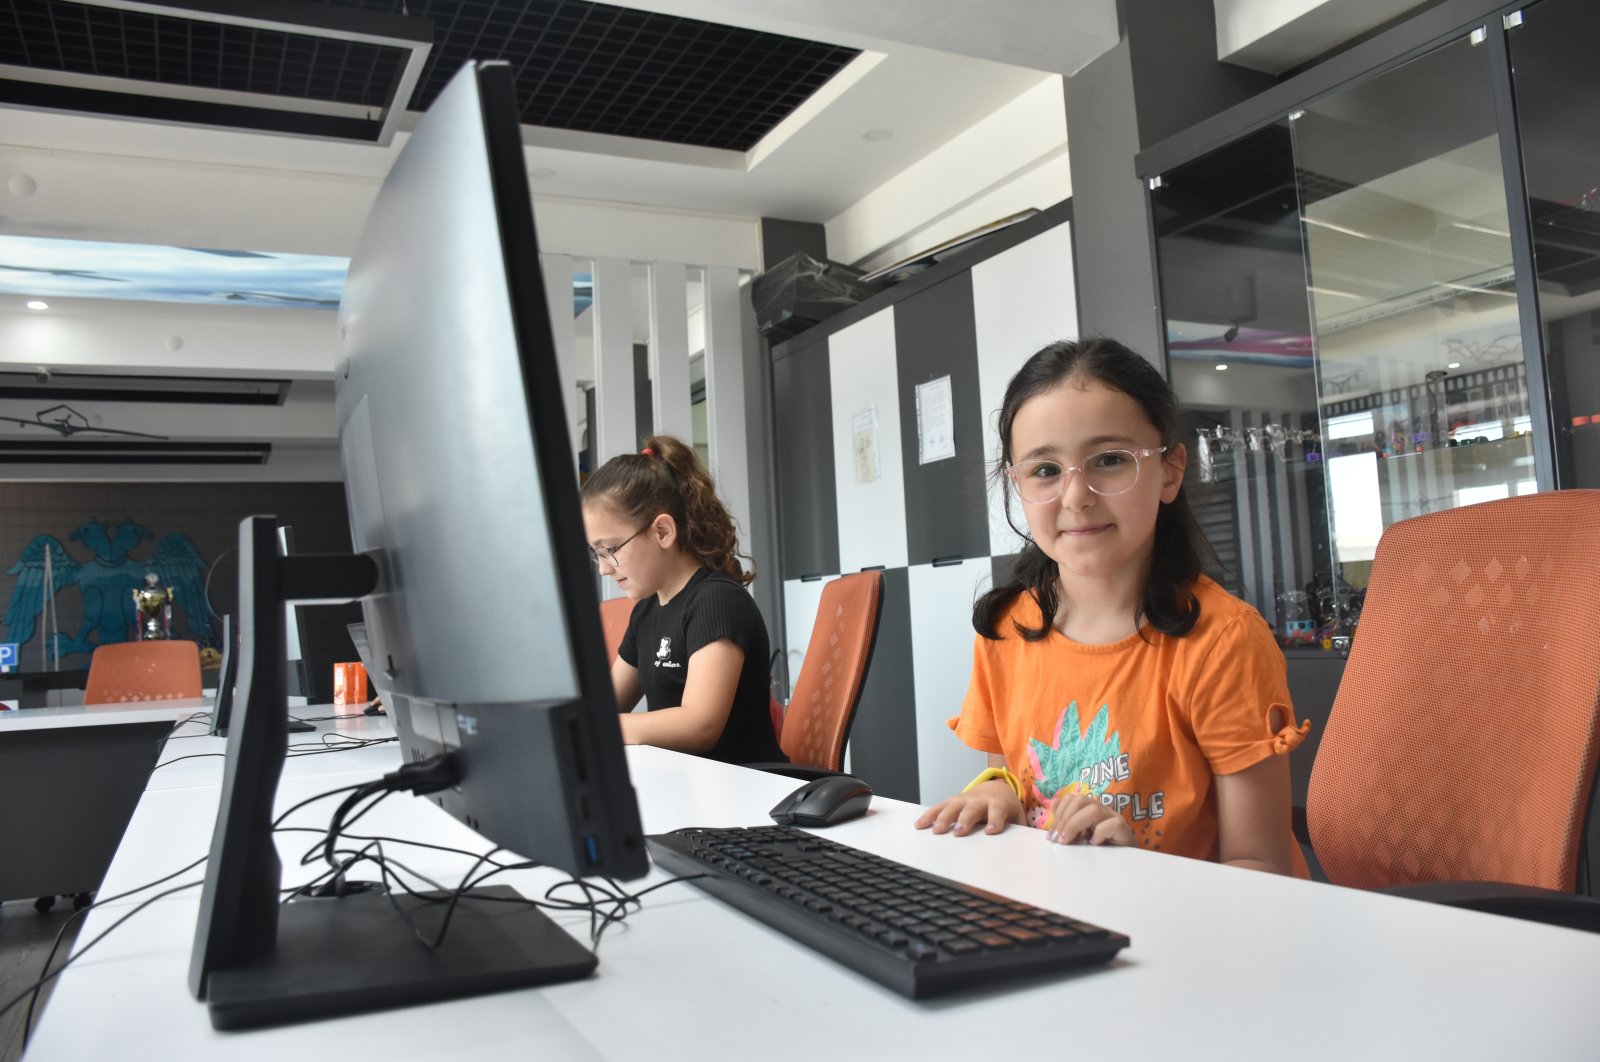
43,268
36,267
104,580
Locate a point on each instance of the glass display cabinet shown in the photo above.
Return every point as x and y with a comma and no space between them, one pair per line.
1348,309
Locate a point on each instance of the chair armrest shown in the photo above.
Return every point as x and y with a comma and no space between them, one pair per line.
793,770
1514,901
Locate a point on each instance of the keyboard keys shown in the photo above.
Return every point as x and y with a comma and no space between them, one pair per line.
919,934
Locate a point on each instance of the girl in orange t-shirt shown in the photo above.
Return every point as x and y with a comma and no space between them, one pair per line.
1123,697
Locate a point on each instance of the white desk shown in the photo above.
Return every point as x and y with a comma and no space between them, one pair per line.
1224,962
194,758
18,720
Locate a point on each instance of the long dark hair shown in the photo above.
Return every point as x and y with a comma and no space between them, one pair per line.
666,477
1168,604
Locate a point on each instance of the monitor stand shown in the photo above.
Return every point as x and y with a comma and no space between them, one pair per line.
259,962
343,955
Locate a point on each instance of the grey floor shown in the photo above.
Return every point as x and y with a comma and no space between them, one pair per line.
25,939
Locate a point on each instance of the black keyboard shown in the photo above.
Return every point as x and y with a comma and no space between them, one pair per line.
914,932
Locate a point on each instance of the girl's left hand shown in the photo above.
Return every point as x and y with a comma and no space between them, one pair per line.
1076,818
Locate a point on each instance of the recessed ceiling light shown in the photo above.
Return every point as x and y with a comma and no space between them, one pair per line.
38,304
878,134
543,173
1454,365
1222,368
1336,228
1504,235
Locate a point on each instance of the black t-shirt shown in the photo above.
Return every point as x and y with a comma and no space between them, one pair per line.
661,639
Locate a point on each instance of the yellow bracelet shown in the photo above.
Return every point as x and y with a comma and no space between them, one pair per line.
991,773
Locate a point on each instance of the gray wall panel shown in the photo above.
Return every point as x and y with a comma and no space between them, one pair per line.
1002,568
802,418
946,504
883,741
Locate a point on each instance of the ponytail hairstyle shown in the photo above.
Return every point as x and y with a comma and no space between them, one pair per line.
666,477
1168,603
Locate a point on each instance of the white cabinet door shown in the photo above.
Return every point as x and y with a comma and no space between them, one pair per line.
800,599
941,652
868,477
1022,299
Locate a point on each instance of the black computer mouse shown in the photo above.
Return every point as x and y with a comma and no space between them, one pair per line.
824,802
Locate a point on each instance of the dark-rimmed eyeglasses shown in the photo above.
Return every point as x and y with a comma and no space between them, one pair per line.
1107,473
609,553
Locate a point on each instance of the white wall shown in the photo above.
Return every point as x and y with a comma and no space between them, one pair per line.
1275,35
94,334
87,196
1013,159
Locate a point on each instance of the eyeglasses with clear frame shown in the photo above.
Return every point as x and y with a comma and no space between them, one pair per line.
1107,473
609,553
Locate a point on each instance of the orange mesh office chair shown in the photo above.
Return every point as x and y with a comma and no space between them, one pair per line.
614,615
1462,744
143,671
822,706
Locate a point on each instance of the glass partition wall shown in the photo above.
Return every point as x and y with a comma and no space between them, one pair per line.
1414,313
1343,315
1239,354
1557,100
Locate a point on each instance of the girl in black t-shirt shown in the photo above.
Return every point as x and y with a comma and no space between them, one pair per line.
696,647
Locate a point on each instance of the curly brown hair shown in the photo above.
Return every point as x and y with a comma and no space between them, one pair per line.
666,477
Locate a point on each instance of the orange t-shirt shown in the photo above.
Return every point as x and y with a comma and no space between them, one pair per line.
1144,723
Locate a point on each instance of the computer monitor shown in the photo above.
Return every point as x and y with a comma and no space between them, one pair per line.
482,618
375,684
317,637
227,676
324,632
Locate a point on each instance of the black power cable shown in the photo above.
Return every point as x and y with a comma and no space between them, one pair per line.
606,905
32,991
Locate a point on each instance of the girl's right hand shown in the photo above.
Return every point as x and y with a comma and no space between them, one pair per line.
1078,816
992,804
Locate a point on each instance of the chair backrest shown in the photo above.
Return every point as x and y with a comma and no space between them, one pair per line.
614,616
1462,743
143,671
823,702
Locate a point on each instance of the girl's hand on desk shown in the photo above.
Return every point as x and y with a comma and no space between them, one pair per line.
992,804
1075,817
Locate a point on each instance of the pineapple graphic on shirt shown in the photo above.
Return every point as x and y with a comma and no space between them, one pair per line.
1069,764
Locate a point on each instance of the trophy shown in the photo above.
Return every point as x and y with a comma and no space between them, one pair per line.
153,603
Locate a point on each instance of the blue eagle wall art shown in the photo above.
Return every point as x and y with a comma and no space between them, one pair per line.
106,582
